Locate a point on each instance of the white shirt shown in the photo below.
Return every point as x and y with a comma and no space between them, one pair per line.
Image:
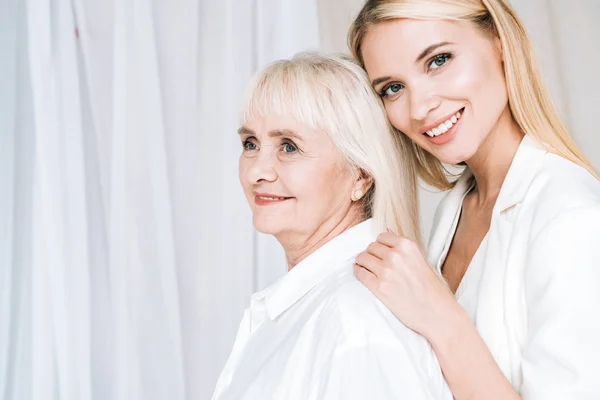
537,299
318,333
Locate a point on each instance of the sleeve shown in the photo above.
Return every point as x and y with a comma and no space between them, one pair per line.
380,372
561,359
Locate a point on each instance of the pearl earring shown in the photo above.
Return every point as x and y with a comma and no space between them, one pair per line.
357,195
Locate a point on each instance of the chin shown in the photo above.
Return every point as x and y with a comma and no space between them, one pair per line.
454,160
454,156
266,225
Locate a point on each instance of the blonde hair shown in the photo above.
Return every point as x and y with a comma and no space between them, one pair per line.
332,93
528,98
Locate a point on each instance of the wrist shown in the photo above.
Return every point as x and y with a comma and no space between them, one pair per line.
451,325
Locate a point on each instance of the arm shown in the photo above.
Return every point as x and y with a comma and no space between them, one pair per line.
395,270
562,284
468,365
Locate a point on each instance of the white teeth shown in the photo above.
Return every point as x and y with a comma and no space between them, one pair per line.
444,126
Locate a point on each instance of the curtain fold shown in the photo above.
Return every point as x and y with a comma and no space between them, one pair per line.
127,253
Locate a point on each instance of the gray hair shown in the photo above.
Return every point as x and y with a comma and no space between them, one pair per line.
333,93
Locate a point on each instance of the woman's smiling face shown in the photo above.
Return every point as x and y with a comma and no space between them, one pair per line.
442,83
293,176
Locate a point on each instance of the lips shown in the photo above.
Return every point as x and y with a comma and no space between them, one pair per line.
265,199
444,130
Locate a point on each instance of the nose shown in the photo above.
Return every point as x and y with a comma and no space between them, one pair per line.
261,168
422,101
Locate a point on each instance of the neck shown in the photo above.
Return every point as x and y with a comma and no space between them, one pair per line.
298,246
492,161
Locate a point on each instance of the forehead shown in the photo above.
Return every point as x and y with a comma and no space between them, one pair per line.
263,125
400,41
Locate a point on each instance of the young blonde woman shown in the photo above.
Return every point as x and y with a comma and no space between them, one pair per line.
517,238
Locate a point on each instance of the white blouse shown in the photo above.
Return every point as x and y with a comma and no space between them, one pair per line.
318,333
533,288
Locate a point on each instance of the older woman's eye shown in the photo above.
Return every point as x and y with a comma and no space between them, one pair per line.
248,145
392,90
439,60
289,147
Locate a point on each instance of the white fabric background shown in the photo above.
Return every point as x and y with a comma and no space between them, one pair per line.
127,253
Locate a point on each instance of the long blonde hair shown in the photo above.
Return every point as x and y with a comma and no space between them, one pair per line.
528,98
332,93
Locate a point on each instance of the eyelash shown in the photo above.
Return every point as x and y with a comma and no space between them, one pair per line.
446,56
284,142
245,144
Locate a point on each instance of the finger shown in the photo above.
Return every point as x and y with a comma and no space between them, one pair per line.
388,239
366,277
378,250
370,262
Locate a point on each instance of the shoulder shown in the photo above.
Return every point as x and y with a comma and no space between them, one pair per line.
561,215
563,184
559,191
360,316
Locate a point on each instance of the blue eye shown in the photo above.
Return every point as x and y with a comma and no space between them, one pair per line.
439,61
392,89
289,148
248,145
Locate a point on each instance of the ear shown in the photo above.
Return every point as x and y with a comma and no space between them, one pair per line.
362,184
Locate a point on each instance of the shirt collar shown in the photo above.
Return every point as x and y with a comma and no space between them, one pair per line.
522,170
317,266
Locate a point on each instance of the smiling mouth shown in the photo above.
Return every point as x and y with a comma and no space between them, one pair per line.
445,126
262,200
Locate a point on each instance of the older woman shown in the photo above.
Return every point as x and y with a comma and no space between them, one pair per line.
324,174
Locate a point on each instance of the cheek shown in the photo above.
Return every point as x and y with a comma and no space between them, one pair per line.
398,114
482,83
243,166
317,186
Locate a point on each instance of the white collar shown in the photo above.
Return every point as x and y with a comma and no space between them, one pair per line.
522,170
525,165
317,266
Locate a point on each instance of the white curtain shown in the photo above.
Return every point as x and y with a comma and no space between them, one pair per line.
127,253
566,37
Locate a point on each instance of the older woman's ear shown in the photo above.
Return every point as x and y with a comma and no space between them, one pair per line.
361,186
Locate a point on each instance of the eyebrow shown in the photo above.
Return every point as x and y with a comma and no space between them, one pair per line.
245,131
424,53
429,50
380,80
274,133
